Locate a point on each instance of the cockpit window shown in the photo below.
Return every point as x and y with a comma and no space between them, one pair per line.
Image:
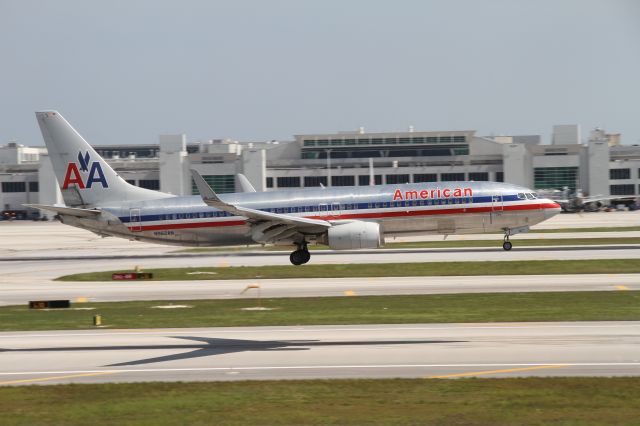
521,195
530,196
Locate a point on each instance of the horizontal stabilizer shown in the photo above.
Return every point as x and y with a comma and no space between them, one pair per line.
70,211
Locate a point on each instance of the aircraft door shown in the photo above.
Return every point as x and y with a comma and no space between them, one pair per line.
335,209
135,225
497,207
496,203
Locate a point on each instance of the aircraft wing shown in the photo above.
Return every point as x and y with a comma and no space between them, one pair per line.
211,199
602,198
71,211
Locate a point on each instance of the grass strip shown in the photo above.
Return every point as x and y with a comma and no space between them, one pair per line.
442,308
593,229
442,244
475,268
522,401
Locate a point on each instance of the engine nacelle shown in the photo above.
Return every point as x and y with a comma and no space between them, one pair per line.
354,235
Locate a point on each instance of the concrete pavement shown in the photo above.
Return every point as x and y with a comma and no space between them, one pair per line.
412,350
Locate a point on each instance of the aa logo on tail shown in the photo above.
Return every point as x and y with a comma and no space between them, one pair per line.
92,171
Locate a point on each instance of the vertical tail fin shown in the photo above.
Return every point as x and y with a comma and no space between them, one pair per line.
84,177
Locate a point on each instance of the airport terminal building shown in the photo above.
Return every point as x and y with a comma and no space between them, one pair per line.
596,164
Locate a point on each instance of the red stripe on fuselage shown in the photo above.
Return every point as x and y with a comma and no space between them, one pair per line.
376,215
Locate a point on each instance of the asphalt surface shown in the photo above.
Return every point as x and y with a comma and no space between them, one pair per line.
33,254
372,351
21,293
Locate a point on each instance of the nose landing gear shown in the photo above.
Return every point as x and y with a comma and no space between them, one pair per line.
301,255
506,245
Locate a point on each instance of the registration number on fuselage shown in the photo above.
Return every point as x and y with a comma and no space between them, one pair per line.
163,233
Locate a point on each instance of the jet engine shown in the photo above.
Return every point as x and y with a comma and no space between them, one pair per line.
353,235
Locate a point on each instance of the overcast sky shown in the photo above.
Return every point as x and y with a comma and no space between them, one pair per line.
127,71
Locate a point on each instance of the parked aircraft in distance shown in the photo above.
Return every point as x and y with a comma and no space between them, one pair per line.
576,201
359,217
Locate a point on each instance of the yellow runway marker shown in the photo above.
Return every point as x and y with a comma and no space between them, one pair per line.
43,379
622,287
509,370
349,293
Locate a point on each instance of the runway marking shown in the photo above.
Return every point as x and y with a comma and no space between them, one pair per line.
349,293
622,287
324,367
312,329
508,370
43,379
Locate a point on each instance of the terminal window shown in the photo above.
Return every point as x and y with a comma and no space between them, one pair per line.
555,177
392,179
479,176
343,180
363,180
14,187
34,186
622,189
451,177
619,173
312,181
149,184
425,177
269,182
219,183
289,182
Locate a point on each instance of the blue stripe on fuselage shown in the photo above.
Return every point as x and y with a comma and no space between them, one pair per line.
315,208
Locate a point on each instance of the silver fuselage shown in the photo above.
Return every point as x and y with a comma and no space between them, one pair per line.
421,208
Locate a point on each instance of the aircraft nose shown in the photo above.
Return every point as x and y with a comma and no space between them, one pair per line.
550,208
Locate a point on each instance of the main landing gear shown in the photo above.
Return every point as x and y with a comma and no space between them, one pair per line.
300,256
506,245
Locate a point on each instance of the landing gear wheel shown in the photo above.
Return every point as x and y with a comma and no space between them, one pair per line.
300,256
507,245
306,256
297,257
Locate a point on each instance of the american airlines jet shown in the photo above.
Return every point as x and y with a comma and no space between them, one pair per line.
359,217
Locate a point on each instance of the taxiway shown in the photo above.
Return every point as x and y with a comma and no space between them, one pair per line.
22,293
412,350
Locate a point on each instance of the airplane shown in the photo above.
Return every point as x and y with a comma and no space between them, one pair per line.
576,201
346,218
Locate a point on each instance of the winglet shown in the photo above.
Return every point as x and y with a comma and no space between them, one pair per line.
245,184
203,187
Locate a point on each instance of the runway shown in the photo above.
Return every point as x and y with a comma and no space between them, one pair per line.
52,267
23,240
22,293
374,351
36,253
